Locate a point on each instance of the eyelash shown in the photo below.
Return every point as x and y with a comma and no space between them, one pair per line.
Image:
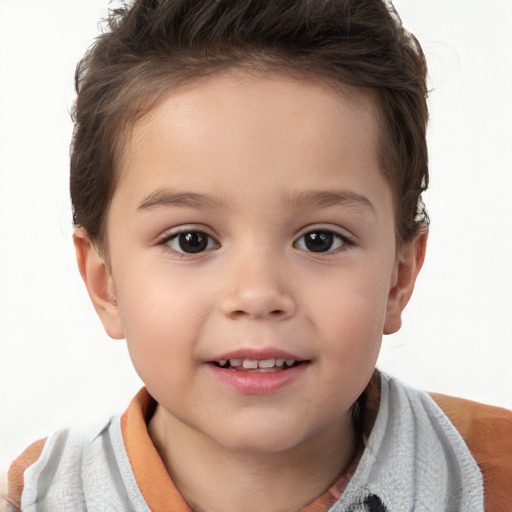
208,243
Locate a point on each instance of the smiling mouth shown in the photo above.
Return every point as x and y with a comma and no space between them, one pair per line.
257,365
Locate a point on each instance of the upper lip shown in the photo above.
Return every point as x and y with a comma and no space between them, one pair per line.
260,354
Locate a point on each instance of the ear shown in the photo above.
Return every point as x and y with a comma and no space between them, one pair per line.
100,285
410,260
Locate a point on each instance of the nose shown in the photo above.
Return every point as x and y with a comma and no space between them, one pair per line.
258,287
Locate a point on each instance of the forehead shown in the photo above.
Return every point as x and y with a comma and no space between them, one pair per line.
268,131
243,96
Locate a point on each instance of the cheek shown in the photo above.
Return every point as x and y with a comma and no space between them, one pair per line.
155,300
353,306
351,324
161,321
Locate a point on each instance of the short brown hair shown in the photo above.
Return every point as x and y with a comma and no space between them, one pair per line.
155,45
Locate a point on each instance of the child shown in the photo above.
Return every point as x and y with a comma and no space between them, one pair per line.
246,179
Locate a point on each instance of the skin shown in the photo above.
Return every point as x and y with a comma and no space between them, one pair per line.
260,149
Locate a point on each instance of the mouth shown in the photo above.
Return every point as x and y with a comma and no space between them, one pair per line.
258,372
257,365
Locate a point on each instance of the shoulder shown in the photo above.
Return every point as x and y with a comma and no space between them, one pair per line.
414,457
17,471
51,463
487,431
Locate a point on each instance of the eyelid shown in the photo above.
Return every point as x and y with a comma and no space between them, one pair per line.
184,228
337,230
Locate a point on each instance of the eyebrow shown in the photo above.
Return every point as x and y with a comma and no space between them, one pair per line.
326,198
166,197
318,199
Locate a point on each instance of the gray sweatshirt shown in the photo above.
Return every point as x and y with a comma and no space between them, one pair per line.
415,460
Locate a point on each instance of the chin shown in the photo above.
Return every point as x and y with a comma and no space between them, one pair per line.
271,438
261,445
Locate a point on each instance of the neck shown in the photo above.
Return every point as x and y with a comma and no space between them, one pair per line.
213,478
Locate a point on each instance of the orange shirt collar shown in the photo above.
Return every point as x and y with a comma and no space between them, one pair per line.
155,483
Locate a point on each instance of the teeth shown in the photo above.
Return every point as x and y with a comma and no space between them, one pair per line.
253,364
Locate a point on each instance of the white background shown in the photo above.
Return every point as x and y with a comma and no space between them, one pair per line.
56,364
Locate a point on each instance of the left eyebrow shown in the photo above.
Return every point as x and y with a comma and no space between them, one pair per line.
167,197
326,198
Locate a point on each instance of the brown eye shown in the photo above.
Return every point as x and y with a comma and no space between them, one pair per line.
320,241
191,242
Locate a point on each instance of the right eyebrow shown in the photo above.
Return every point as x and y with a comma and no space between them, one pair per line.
171,198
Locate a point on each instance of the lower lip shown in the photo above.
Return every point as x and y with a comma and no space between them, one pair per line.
258,383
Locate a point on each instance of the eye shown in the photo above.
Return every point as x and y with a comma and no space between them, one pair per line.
321,240
191,242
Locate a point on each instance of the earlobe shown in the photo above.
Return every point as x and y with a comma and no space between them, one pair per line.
410,261
100,285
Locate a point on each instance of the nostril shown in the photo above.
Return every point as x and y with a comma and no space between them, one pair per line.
241,313
266,303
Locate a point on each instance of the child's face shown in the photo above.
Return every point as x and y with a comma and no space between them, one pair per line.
251,222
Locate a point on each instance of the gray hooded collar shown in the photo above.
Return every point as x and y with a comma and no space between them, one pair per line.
415,460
